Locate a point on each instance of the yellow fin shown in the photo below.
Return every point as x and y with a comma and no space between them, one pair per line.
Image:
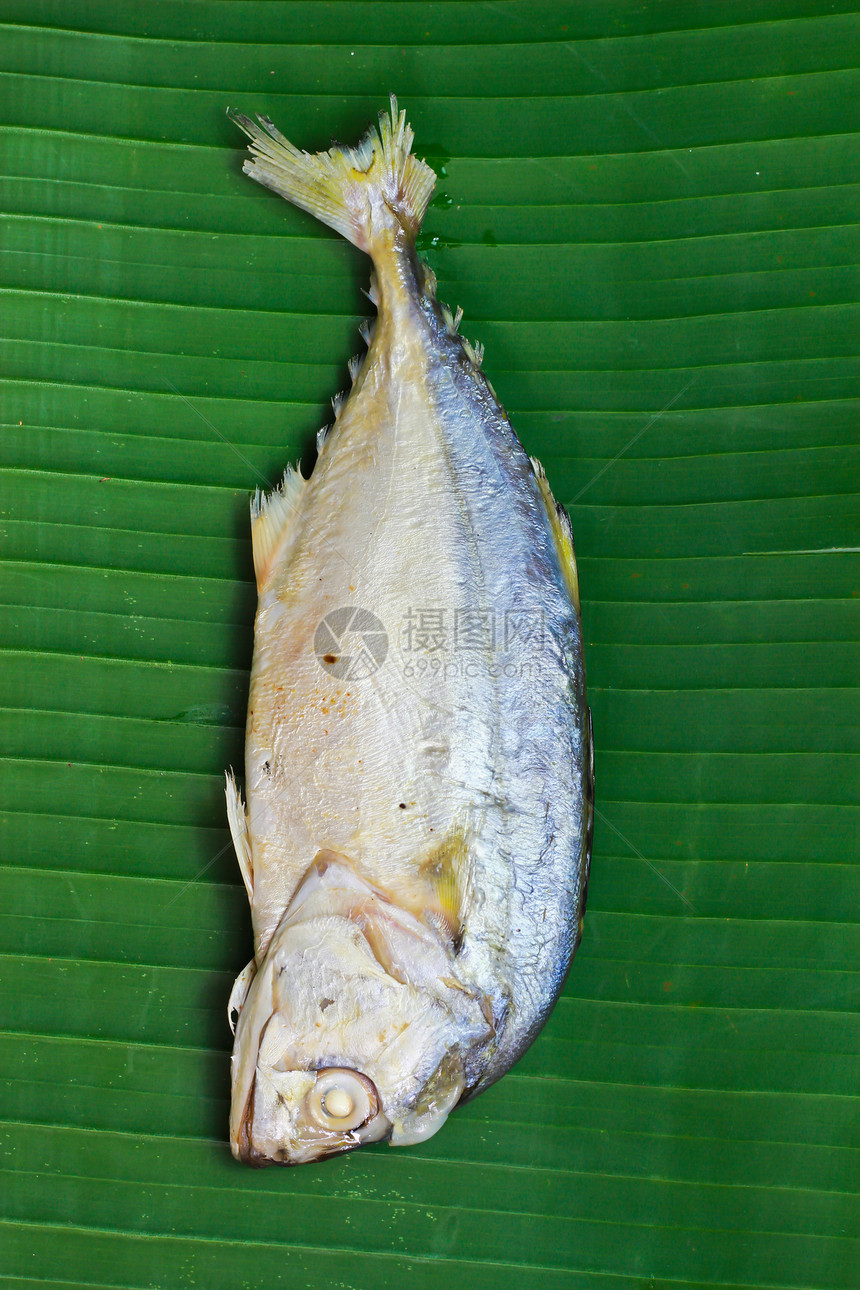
445,871
239,832
272,519
343,187
562,533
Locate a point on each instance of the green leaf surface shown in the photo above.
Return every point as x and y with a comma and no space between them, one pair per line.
649,213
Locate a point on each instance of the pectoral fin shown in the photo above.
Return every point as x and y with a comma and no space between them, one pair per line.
446,871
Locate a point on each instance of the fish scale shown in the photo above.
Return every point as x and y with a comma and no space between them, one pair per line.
418,764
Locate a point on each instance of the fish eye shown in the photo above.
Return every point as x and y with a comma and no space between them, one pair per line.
342,1100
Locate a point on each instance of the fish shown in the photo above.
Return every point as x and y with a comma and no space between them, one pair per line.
415,832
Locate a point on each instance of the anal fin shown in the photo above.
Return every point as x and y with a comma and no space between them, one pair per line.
273,520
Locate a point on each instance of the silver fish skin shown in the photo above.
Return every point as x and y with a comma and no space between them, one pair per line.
418,760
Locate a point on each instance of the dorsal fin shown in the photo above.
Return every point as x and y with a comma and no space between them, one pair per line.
273,516
562,533
588,835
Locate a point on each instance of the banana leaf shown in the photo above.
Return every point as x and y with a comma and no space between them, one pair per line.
648,212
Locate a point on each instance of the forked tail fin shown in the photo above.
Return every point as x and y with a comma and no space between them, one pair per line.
359,191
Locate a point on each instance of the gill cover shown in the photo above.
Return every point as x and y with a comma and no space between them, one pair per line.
353,1029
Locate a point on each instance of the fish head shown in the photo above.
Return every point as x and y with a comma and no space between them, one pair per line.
354,1029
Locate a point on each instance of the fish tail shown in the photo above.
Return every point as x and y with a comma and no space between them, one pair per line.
358,191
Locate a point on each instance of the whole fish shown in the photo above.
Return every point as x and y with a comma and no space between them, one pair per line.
418,760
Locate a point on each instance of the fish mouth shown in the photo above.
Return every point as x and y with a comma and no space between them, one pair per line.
332,1110
354,1028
